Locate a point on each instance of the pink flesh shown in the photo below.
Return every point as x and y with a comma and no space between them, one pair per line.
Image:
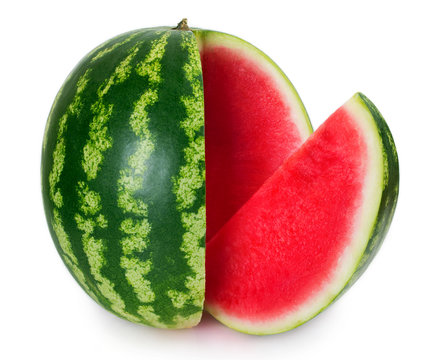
248,131
284,243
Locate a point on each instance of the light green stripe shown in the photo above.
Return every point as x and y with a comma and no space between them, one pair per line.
147,313
190,179
100,54
68,255
99,141
195,226
54,178
135,272
73,107
137,231
60,147
58,165
151,65
190,176
89,200
94,248
50,116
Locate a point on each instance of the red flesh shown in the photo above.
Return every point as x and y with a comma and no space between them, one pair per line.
248,130
284,243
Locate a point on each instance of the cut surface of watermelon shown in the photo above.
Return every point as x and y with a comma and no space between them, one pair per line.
254,120
310,230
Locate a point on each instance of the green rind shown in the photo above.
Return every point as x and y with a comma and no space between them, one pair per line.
389,195
96,145
381,224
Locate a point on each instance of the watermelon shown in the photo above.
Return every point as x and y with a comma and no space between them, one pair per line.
310,230
124,162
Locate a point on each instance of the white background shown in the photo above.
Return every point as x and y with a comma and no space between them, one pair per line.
330,50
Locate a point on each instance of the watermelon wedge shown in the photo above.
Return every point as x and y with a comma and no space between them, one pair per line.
311,230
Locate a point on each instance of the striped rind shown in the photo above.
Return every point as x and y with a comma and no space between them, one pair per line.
123,151
375,215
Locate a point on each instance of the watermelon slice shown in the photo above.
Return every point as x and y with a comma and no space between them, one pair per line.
311,230
254,120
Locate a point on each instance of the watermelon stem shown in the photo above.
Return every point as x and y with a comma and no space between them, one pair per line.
182,25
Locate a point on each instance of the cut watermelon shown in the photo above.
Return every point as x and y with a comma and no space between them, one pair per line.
132,186
310,231
254,120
